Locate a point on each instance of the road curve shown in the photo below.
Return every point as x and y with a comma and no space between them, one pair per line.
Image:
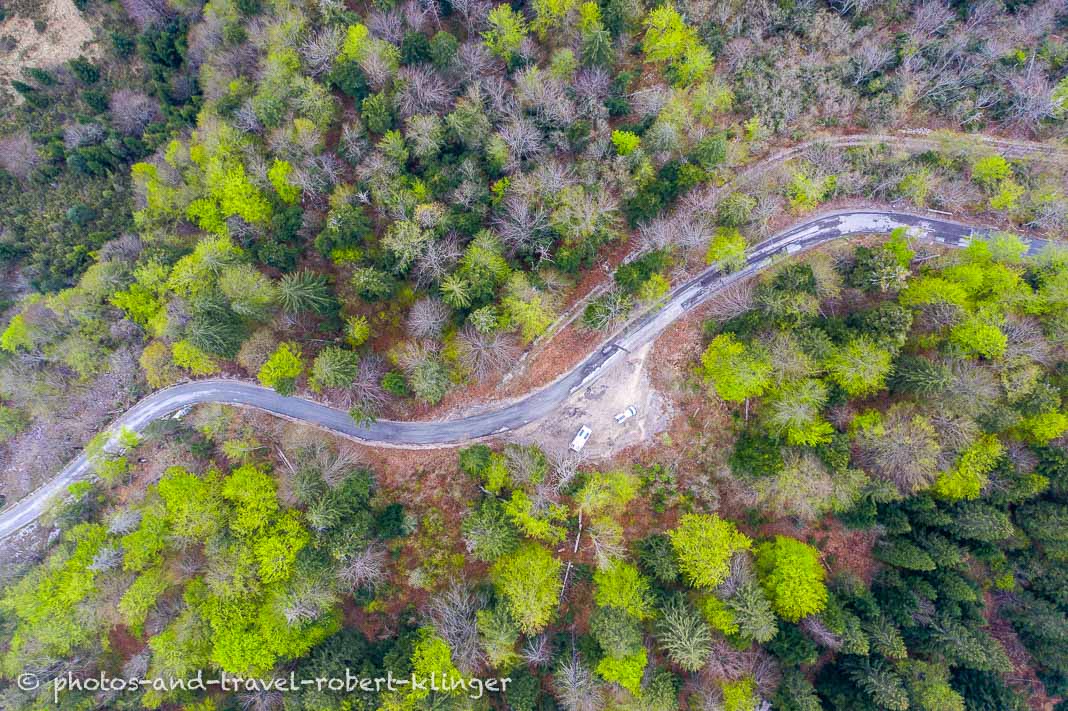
806,235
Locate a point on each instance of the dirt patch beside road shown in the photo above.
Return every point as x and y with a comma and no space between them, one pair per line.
596,406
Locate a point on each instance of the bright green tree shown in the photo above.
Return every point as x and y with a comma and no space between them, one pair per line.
704,545
792,575
507,30
282,368
860,367
529,580
736,371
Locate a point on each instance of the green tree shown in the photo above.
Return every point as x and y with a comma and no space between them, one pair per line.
704,545
977,335
726,251
626,671
752,613
620,585
507,30
626,142
667,36
860,367
334,367
304,292
792,575
17,335
196,361
282,368
736,371
968,476
684,635
529,580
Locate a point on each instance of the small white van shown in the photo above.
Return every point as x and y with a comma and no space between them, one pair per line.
580,438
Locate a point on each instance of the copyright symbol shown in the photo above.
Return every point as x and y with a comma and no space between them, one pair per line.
28,682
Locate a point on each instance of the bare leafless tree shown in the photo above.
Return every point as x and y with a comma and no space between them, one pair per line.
76,135
265,697
538,651
321,49
107,558
486,354
353,144
930,18
132,111
421,90
306,600
18,154
819,633
427,318
869,59
474,12
576,687
524,141
124,521
387,24
905,453
145,13
1026,341
124,248
1030,98
245,118
437,261
474,61
733,301
366,569
452,613
521,223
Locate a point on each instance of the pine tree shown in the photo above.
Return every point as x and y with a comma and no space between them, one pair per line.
753,613
683,634
881,683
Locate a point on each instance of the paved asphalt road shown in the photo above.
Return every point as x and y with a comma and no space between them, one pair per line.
538,404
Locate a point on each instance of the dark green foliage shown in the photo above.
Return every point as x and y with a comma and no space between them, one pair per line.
348,650
395,384
985,691
919,376
123,44
888,323
443,46
85,70
792,647
672,180
389,521
710,152
524,691
43,77
903,554
616,631
377,114
349,79
633,274
415,48
756,455
164,44
796,693
657,557
474,459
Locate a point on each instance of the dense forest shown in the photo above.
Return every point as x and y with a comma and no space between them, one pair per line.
917,407
381,204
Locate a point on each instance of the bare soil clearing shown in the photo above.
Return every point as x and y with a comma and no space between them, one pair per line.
596,407
66,35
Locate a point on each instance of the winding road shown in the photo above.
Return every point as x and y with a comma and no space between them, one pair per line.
806,235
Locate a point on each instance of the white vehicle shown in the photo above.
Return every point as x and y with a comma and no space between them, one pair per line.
580,438
626,415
